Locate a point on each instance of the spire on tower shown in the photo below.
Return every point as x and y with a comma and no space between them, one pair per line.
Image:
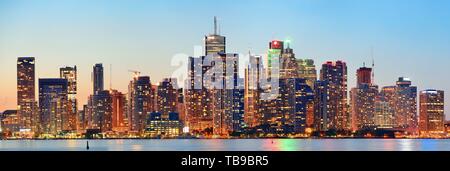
215,25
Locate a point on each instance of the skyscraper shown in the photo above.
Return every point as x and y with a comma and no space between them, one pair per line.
70,74
26,102
198,98
118,117
307,70
331,97
53,100
140,102
102,111
252,112
384,108
432,116
227,95
362,99
214,43
288,64
273,56
97,78
406,105
167,97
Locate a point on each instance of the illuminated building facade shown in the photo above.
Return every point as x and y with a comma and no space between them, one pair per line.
362,100
227,95
140,102
26,103
384,108
157,125
167,97
9,122
252,88
406,105
432,116
307,70
97,78
118,117
70,74
198,99
331,97
53,105
102,111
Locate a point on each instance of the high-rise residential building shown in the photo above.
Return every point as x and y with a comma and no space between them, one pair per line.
118,116
53,102
227,95
307,70
252,90
70,74
102,111
26,102
384,108
214,43
406,105
362,100
331,97
432,116
198,98
97,78
167,97
140,104
294,101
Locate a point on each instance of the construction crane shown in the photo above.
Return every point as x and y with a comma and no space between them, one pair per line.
136,73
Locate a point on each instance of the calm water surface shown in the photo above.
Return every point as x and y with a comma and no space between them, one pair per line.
230,145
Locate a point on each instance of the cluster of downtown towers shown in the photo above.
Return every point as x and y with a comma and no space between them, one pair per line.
303,103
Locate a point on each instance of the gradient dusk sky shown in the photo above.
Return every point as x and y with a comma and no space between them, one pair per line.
410,38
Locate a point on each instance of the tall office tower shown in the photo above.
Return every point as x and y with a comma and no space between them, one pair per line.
406,105
198,98
70,74
97,78
384,108
307,71
362,99
252,90
288,64
331,111
294,100
432,116
214,43
53,102
26,103
140,103
102,111
227,96
118,111
167,97
274,55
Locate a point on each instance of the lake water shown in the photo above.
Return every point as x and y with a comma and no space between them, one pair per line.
230,145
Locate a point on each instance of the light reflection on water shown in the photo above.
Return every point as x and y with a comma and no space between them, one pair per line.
229,145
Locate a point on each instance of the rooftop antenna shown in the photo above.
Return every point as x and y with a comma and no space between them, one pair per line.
110,76
215,25
373,65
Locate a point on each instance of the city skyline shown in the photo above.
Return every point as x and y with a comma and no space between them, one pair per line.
49,59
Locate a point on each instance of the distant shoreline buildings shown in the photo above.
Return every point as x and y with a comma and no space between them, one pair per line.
280,97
